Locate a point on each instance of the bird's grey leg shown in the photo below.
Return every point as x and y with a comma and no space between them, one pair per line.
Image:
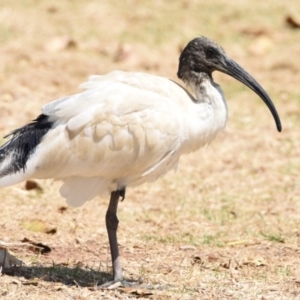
112,226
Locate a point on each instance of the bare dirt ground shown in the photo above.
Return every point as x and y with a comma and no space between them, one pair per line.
226,225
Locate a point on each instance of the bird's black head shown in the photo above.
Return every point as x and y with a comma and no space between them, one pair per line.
202,56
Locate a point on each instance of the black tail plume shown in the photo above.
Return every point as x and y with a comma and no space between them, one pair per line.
22,145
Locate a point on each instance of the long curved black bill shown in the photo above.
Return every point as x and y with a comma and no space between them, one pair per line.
233,69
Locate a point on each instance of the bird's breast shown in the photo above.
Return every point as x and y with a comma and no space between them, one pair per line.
206,117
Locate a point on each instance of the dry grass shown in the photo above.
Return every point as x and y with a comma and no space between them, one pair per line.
226,226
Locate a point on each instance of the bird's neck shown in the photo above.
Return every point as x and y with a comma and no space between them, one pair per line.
209,112
198,83
207,91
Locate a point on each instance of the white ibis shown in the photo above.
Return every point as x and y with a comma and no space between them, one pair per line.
123,130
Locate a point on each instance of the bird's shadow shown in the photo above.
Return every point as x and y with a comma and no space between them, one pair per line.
67,275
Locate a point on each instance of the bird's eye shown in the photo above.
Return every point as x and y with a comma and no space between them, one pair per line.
211,52
196,69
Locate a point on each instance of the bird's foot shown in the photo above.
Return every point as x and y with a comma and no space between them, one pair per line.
116,283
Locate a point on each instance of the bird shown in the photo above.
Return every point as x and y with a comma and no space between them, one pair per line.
125,129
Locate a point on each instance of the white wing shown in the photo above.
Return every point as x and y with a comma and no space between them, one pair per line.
119,132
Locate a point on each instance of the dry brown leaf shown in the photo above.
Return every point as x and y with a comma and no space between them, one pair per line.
37,247
293,21
32,185
62,209
51,231
34,225
38,226
212,257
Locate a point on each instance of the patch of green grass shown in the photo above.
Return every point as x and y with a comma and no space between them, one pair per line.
274,237
292,166
184,238
221,216
212,240
188,238
284,271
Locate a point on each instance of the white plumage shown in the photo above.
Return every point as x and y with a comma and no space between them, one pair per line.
123,130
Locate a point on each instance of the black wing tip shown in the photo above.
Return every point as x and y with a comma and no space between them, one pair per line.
22,144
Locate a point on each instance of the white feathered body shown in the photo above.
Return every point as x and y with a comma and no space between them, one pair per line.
123,130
